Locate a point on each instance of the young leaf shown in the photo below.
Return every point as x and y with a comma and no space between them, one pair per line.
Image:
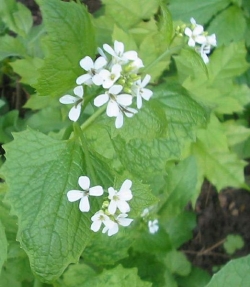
233,243
225,21
70,38
10,46
39,171
16,16
234,273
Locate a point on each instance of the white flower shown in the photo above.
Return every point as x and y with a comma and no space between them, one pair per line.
114,99
195,35
121,219
140,92
211,40
204,50
93,69
118,54
110,77
98,218
75,111
119,198
129,112
153,226
74,195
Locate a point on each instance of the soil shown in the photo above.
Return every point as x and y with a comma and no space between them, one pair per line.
218,214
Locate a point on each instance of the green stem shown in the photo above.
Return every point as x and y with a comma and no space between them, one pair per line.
92,118
166,53
83,140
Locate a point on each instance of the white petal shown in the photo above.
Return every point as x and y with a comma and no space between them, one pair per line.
125,194
116,69
78,91
113,230
146,80
112,207
191,42
130,112
124,99
74,195
188,32
130,55
200,39
87,63
126,185
115,90
96,191
118,47
119,121
74,113
101,100
84,204
100,51
123,206
125,221
112,109
193,21
97,80
146,94
68,99
96,225
111,192
109,50
139,101
84,182
100,63
198,30
83,79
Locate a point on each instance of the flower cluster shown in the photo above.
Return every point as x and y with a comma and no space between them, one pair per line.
153,224
200,40
114,210
116,71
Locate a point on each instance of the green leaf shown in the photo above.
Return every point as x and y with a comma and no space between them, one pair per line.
201,11
128,13
236,132
161,134
165,24
233,243
3,246
181,183
227,62
225,21
118,276
10,46
197,278
39,171
215,161
180,228
16,16
234,273
177,263
27,69
68,42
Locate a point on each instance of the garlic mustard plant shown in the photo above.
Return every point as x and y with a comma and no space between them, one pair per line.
200,40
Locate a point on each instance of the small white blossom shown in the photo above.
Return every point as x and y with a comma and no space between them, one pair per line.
100,218
110,77
153,226
93,69
118,199
115,101
121,219
140,92
196,35
118,54
204,50
129,112
82,195
75,111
